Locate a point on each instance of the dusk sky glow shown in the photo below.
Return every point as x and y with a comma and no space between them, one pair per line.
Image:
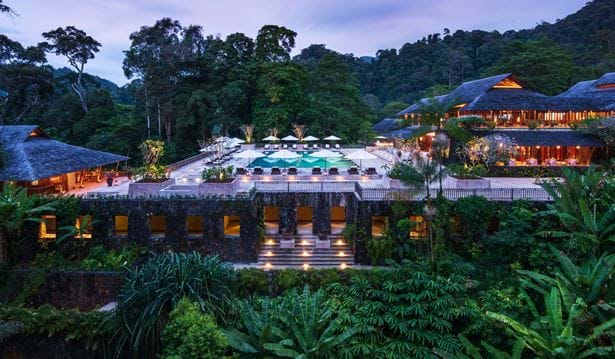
360,27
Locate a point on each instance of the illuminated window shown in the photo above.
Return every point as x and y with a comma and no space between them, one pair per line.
121,225
48,227
194,225
231,226
419,230
87,220
158,225
379,224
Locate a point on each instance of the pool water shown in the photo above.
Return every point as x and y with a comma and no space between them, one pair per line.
305,161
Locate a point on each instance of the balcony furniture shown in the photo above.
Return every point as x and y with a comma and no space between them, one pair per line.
258,171
292,171
353,171
572,162
333,171
276,171
316,171
512,162
552,162
532,162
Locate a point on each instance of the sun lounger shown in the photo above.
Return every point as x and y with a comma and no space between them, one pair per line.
257,171
353,171
276,171
333,171
241,171
292,171
371,171
315,146
294,146
327,146
275,147
337,146
267,146
316,171
285,146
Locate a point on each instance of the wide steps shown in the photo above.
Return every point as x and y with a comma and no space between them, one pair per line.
305,254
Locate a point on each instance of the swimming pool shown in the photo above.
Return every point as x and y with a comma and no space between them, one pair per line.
305,161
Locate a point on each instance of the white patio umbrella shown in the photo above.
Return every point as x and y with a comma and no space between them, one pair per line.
360,155
249,154
310,138
284,155
332,138
233,142
237,140
381,137
290,138
326,154
271,139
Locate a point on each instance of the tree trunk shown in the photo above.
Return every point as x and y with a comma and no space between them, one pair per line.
149,122
3,247
80,90
159,121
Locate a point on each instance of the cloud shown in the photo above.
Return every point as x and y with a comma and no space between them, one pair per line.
349,26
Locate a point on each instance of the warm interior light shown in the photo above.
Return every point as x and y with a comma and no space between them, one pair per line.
578,147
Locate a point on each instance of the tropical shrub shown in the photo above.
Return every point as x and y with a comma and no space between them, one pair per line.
289,279
151,291
405,311
584,203
561,331
296,325
474,213
250,282
101,259
218,174
192,334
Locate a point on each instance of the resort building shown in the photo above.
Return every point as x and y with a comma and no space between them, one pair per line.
541,126
32,159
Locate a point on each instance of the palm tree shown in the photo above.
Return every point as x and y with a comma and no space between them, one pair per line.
16,209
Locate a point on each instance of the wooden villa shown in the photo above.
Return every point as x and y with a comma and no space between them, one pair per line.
34,160
542,126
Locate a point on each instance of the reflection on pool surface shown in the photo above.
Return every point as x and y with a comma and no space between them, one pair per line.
305,161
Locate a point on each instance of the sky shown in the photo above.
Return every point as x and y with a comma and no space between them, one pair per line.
360,27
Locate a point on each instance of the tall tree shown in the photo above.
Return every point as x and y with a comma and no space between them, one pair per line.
274,43
158,55
25,80
78,47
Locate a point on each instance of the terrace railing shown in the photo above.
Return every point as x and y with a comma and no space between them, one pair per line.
494,194
304,186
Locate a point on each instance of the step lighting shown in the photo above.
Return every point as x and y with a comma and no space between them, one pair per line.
304,242
305,254
306,266
343,266
270,242
268,265
269,254
341,254
339,242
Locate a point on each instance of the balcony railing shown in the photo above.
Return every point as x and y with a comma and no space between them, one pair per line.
494,194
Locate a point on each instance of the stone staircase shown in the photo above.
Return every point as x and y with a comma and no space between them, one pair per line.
305,255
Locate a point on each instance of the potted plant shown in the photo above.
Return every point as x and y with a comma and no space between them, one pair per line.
323,240
288,240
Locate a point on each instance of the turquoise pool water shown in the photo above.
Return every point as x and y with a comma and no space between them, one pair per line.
305,161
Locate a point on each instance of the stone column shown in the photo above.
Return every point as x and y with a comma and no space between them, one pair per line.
321,215
288,218
138,227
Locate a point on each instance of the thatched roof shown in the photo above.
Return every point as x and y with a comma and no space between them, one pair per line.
602,97
546,137
486,95
416,107
386,125
30,154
